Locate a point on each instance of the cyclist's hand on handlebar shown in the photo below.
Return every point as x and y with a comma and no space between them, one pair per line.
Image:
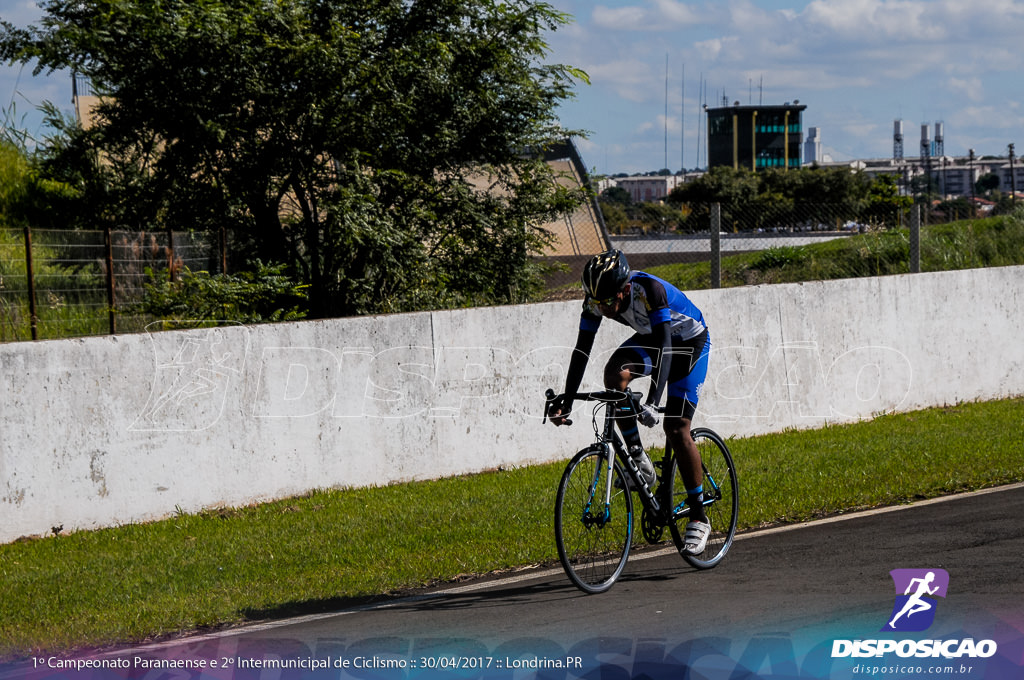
559,418
647,415
559,411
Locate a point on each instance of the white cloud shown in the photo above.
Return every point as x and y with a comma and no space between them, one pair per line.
720,48
654,15
970,87
873,20
631,79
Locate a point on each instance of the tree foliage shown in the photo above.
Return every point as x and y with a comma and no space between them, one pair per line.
778,197
387,150
261,295
28,194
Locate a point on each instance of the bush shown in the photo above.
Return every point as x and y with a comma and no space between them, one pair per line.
264,294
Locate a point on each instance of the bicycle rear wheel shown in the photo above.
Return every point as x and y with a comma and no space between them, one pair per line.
593,539
721,499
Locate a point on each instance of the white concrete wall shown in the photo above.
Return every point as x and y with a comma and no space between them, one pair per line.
105,431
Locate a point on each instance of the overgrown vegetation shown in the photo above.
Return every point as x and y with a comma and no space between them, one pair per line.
69,297
388,153
989,242
261,295
813,198
318,551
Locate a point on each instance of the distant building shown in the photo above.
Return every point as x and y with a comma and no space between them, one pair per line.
952,176
812,147
648,188
1011,177
755,137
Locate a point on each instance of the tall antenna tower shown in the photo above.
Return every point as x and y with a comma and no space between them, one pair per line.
666,111
682,120
700,117
897,140
940,143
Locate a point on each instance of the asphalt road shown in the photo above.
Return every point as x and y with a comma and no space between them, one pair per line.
773,607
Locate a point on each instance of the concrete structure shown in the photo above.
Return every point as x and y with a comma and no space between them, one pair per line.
755,137
583,231
812,147
649,188
112,430
897,141
84,101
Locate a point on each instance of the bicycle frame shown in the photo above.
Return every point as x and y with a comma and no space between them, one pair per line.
613,447
594,517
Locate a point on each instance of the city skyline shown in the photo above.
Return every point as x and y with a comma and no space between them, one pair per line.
858,65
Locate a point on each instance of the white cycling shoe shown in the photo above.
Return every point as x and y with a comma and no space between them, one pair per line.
696,537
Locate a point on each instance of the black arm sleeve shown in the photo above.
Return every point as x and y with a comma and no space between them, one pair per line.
578,361
662,340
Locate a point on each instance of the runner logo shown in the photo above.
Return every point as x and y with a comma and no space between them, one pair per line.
913,611
916,590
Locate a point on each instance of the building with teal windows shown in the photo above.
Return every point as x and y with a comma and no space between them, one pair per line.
756,137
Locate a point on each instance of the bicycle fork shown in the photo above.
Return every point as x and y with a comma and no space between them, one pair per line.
606,461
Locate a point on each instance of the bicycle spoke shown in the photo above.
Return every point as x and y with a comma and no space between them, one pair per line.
721,500
593,537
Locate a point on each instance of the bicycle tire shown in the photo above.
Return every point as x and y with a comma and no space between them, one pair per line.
721,499
593,548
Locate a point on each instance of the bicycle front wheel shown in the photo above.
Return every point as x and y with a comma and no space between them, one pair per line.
721,499
593,527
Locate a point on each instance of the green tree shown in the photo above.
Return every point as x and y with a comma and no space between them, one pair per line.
884,203
28,195
14,171
388,150
810,196
954,209
733,189
987,183
719,185
616,195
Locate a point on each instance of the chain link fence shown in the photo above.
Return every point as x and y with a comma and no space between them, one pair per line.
78,283
699,244
71,283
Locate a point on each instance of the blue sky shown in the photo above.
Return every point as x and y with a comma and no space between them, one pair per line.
856,64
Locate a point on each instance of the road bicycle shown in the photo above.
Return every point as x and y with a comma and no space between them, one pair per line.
594,519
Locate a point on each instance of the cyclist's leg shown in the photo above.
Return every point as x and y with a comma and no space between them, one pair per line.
629,362
689,370
678,417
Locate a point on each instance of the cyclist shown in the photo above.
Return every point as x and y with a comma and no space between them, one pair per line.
670,344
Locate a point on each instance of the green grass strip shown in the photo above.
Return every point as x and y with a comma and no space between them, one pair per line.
316,552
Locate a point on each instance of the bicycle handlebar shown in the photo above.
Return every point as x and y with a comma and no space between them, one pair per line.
606,396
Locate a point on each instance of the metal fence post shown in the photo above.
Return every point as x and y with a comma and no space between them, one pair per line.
716,245
111,301
915,240
223,249
30,275
170,254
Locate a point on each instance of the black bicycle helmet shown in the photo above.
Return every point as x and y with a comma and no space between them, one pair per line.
605,275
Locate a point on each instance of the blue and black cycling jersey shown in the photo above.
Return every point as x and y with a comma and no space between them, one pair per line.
652,301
